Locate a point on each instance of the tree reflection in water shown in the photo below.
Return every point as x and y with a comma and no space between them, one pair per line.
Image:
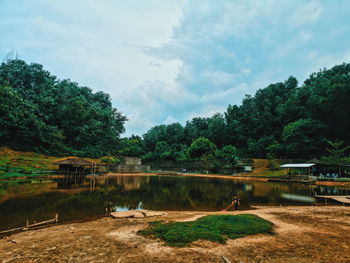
100,195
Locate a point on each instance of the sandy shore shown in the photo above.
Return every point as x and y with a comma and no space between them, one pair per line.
301,234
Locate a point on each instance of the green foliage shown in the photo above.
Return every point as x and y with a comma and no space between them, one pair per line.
281,120
215,228
203,150
304,137
259,148
201,147
275,150
40,113
208,162
132,147
337,151
228,154
110,160
336,154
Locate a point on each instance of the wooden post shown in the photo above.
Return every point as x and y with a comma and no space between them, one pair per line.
56,218
225,259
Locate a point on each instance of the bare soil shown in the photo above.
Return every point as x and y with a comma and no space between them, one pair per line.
301,234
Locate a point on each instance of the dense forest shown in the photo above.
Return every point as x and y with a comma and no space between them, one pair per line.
282,120
39,112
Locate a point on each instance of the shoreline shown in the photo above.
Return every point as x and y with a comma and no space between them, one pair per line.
229,177
238,177
296,230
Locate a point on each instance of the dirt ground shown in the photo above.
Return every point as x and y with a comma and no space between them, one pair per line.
301,234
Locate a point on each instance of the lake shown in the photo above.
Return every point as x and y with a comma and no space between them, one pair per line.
38,200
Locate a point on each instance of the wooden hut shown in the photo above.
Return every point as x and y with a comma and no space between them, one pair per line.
330,169
75,166
299,170
318,169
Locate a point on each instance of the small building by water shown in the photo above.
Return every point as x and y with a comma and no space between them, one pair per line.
130,165
299,169
318,169
75,166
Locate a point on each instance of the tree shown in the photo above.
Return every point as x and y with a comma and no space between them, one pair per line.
179,152
336,154
203,150
208,162
197,127
201,147
163,151
53,116
232,135
174,133
154,135
132,147
259,148
21,126
217,129
280,120
326,96
229,155
304,138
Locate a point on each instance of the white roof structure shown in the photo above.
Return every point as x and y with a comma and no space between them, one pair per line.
297,165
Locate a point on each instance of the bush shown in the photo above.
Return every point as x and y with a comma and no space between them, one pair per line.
110,160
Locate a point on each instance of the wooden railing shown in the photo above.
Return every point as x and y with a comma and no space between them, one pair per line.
31,226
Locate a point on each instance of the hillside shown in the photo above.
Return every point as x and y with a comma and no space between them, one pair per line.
22,164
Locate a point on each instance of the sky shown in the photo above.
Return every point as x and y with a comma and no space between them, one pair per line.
169,61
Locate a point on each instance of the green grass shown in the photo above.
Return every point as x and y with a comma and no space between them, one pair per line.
14,172
16,164
216,228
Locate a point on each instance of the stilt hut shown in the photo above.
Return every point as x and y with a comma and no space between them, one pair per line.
75,166
299,170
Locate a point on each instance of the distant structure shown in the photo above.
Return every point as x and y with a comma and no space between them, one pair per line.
130,165
315,168
299,170
245,165
76,167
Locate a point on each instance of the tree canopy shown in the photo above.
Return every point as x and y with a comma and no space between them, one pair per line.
282,120
39,112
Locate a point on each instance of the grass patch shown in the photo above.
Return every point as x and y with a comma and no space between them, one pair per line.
14,164
216,228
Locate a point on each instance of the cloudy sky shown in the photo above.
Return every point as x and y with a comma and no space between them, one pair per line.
168,61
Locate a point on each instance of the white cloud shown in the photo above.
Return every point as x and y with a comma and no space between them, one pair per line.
169,120
165,61
98,44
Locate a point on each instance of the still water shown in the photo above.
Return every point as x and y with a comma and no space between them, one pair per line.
38,200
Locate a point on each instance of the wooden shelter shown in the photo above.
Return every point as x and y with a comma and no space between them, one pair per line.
331,170
299,170
318,169
75,166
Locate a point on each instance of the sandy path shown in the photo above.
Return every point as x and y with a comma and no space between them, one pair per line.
301,234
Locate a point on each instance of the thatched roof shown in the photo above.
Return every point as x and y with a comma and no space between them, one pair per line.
74,161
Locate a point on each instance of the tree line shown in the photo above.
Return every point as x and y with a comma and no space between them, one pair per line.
282,120
41,113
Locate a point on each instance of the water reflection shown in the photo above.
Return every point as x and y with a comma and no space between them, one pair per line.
40,200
